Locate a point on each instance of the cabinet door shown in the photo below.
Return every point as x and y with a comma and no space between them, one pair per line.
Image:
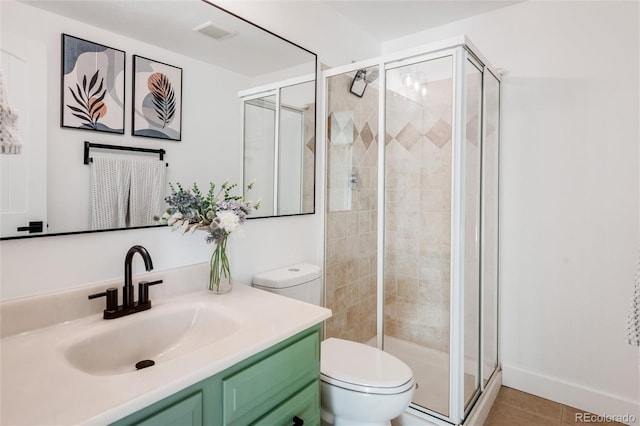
259,388
301,409
187,412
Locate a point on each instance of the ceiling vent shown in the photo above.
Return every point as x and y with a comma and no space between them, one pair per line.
214,31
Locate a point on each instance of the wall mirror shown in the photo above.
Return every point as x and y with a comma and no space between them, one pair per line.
246,102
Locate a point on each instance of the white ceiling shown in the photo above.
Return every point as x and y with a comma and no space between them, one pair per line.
386,20
169,24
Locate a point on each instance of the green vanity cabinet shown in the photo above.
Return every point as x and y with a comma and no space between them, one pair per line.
268,389
187,412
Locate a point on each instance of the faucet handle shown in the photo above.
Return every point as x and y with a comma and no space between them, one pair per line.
112,298
143,290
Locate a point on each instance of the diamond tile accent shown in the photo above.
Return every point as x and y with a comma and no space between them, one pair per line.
311,145
341,128
490,129
408,136
440,133
366,135
387,138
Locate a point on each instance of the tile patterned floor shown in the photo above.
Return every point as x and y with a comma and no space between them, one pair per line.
515,408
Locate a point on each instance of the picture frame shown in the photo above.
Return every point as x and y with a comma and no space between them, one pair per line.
157,99
92,86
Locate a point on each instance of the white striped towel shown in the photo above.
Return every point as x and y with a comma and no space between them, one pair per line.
148,188
110,182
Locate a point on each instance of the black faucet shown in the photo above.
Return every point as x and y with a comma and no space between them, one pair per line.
127,290
128,305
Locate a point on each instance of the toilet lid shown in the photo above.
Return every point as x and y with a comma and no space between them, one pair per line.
363,368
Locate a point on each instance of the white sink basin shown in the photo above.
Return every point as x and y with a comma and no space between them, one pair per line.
160,334
83,371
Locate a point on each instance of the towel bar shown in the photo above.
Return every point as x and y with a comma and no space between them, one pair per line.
89,145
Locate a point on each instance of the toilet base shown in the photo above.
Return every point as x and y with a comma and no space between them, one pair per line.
344,407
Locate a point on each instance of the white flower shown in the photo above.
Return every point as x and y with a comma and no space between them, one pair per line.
174,218
228,220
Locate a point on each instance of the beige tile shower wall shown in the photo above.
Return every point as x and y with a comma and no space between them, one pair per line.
418,216
350,290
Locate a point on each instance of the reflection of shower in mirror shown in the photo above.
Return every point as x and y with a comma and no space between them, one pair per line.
279,145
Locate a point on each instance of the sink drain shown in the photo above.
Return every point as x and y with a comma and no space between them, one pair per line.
144,364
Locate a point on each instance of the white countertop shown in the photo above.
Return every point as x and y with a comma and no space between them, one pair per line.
40,387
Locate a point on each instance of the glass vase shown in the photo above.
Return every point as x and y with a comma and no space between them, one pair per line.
220,271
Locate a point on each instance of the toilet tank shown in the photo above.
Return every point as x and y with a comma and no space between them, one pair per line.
301,281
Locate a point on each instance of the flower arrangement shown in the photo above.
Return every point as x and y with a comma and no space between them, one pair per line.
219,214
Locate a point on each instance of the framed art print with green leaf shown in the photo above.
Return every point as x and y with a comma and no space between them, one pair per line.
157,99
92,86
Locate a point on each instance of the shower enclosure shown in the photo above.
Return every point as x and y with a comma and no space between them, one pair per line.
411,214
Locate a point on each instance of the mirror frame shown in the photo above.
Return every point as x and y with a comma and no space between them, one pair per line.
315,127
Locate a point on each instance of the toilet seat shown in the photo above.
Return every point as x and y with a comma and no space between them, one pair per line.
362,368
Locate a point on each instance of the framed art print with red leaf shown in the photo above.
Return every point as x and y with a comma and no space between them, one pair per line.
157,99
92,86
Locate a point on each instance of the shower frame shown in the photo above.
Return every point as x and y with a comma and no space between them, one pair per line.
462,51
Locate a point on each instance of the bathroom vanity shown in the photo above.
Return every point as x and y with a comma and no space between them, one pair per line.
248,356
278,386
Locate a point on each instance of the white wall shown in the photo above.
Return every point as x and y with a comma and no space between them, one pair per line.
569,206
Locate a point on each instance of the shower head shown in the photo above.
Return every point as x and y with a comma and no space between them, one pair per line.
362,78
371,75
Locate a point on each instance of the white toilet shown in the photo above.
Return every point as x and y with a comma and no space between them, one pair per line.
360,384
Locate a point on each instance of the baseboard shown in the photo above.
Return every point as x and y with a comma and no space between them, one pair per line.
571,394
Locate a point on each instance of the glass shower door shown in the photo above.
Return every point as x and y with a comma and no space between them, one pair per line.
351,200
490,186
417,252
260,148
472,167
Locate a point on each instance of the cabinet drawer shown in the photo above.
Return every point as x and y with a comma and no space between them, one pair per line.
254,391
305,405
187,412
